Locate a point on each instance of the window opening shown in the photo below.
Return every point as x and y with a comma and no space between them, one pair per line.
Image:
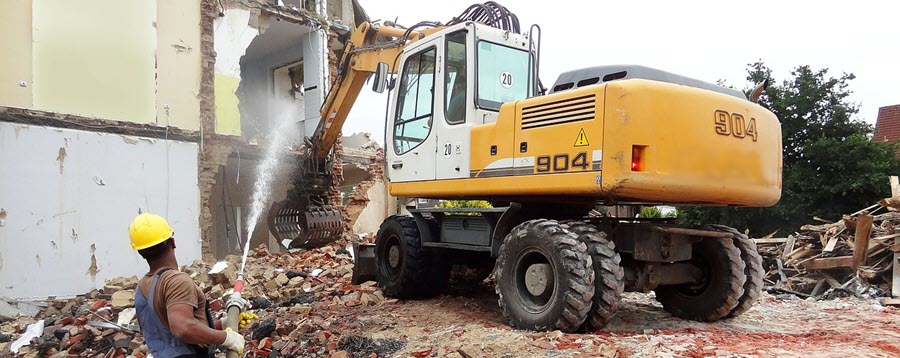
414,113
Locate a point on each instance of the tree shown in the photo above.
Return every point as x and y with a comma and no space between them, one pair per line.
830,165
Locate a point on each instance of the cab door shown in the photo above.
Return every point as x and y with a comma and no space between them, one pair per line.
410,136
456,109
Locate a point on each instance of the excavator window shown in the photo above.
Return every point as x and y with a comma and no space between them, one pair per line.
455,78
502,75
416,99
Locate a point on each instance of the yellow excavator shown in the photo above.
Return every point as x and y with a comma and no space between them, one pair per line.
468,118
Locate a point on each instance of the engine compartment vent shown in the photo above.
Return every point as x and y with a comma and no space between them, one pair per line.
568,110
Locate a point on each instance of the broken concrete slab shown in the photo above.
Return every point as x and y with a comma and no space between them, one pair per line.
122,299
8,312
29,309
281,279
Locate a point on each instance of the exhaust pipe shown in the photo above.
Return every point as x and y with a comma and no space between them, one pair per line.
758,91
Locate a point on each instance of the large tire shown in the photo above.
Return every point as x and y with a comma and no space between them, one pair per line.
719,291
753,270
608,274
562,305
405,269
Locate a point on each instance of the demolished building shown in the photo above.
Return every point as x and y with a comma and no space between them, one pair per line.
163,108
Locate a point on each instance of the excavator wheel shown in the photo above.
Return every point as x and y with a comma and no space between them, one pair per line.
544,276
405,269
753,270
608,274
719,290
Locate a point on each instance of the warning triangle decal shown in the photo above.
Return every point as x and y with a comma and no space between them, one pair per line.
581,140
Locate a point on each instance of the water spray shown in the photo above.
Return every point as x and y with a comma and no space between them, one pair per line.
261,190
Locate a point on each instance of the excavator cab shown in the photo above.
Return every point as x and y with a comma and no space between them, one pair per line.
444,81
446,84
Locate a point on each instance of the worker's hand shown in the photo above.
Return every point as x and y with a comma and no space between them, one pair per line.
246,319
233,341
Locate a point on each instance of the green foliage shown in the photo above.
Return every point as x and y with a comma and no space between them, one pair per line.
653,212
830,165
650,212
456,204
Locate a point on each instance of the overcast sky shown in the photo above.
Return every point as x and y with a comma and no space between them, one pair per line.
707,40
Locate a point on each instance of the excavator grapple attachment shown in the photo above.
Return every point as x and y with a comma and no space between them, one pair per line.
306,228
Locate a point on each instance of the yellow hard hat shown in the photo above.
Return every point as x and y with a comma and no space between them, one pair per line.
148,230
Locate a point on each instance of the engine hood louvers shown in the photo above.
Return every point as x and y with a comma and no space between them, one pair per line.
568,110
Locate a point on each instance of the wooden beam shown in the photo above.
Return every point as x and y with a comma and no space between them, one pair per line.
866,209
770,240
885,237
895,186
861,244
788,246
895,281
832,242
828,263
895,285
798,254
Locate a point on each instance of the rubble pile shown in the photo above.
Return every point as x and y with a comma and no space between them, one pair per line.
301,298
851,257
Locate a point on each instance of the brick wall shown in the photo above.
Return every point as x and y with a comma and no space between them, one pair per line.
887,128
214,150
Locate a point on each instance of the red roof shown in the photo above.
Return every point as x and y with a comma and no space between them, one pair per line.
887,128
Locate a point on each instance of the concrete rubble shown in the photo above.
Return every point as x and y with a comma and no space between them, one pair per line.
296,296
308,308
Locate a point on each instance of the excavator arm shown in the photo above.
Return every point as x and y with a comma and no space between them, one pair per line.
361,56
305,218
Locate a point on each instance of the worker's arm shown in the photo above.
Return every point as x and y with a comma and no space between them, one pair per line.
188,329
181,298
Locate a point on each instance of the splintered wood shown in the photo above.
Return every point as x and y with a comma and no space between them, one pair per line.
858,253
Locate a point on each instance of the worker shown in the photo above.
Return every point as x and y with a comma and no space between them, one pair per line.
456,107
172,311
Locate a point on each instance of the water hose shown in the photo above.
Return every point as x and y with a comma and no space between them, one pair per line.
235,305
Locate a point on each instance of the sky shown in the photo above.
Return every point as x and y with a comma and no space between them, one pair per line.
706,40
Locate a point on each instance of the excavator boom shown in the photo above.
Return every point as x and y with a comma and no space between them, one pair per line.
305,219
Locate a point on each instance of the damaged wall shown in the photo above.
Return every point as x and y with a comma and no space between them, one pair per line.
230,200
66,200
366,199
178,63
233,34
252,43
110,73
15,74
140,66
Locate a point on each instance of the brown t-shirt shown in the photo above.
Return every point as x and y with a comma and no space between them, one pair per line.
174,287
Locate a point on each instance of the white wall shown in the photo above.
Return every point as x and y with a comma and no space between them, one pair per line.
69,196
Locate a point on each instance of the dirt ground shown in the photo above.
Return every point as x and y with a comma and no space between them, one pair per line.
470,324
312,310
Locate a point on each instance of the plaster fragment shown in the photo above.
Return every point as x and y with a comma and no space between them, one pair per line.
92,269
61,158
